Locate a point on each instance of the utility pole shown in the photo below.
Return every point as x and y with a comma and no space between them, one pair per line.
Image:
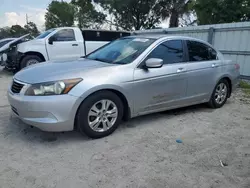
27,19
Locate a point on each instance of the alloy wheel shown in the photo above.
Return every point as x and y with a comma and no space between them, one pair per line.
221,93
102,115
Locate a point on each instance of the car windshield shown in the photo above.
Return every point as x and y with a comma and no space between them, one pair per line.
121,51
5,42
45,34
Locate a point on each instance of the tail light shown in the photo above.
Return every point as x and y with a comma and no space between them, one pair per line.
237,66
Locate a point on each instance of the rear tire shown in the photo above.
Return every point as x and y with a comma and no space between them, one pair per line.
220,94
101,124
30,60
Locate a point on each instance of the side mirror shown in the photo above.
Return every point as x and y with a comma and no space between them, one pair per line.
51,40
154,63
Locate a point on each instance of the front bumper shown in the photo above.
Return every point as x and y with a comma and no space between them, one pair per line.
13,60
48,113
1,60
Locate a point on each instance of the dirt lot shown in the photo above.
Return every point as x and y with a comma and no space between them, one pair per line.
141,153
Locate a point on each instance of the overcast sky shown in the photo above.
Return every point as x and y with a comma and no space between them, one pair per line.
14,12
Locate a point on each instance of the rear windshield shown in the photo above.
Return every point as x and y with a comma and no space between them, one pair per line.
121,51
45,34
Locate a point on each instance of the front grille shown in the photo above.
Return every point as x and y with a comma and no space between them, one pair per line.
16,87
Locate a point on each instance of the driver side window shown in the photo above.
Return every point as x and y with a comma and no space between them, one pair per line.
170,52
64,35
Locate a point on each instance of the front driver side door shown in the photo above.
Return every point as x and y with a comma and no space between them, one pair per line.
157,89
64,46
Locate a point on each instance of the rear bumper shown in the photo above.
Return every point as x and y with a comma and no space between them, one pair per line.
48,113
235,83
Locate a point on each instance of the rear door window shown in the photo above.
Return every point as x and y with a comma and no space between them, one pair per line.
200,52
170,52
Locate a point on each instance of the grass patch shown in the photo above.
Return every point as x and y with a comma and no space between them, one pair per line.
246,93
244,85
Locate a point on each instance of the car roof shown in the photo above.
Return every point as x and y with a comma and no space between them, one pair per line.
162,36
166,36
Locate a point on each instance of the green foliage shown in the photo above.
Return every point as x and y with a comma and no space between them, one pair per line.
133,15
4,32
221,11
31,28
176,9
246,93
244,85
59,14
17,31
86,15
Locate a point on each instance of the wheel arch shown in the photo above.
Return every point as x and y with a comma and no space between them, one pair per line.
120,94
229,80
33,53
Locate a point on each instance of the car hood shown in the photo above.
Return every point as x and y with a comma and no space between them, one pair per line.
58,70
30,43
14,42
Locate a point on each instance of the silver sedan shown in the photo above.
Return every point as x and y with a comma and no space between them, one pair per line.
129,77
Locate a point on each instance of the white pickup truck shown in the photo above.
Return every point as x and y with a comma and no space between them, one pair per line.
66,43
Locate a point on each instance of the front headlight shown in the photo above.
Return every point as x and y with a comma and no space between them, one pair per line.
52,88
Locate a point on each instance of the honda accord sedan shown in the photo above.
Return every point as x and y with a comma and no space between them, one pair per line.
126,78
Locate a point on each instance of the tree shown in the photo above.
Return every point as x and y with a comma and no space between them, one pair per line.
177,8
221,11
134,14
86,15
31,28
5,32
59,14
17,31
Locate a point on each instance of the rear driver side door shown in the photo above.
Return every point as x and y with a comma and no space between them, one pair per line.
156,89
202,69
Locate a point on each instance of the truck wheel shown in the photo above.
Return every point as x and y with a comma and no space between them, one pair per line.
100,114
30,60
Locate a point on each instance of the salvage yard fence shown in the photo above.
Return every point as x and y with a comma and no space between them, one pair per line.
233,40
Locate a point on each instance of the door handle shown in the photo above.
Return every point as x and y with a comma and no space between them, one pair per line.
179,70
214,65
74,44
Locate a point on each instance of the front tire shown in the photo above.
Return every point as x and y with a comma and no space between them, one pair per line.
100,114
30,60
220,94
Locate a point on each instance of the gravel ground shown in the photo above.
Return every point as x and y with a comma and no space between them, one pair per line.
141,153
